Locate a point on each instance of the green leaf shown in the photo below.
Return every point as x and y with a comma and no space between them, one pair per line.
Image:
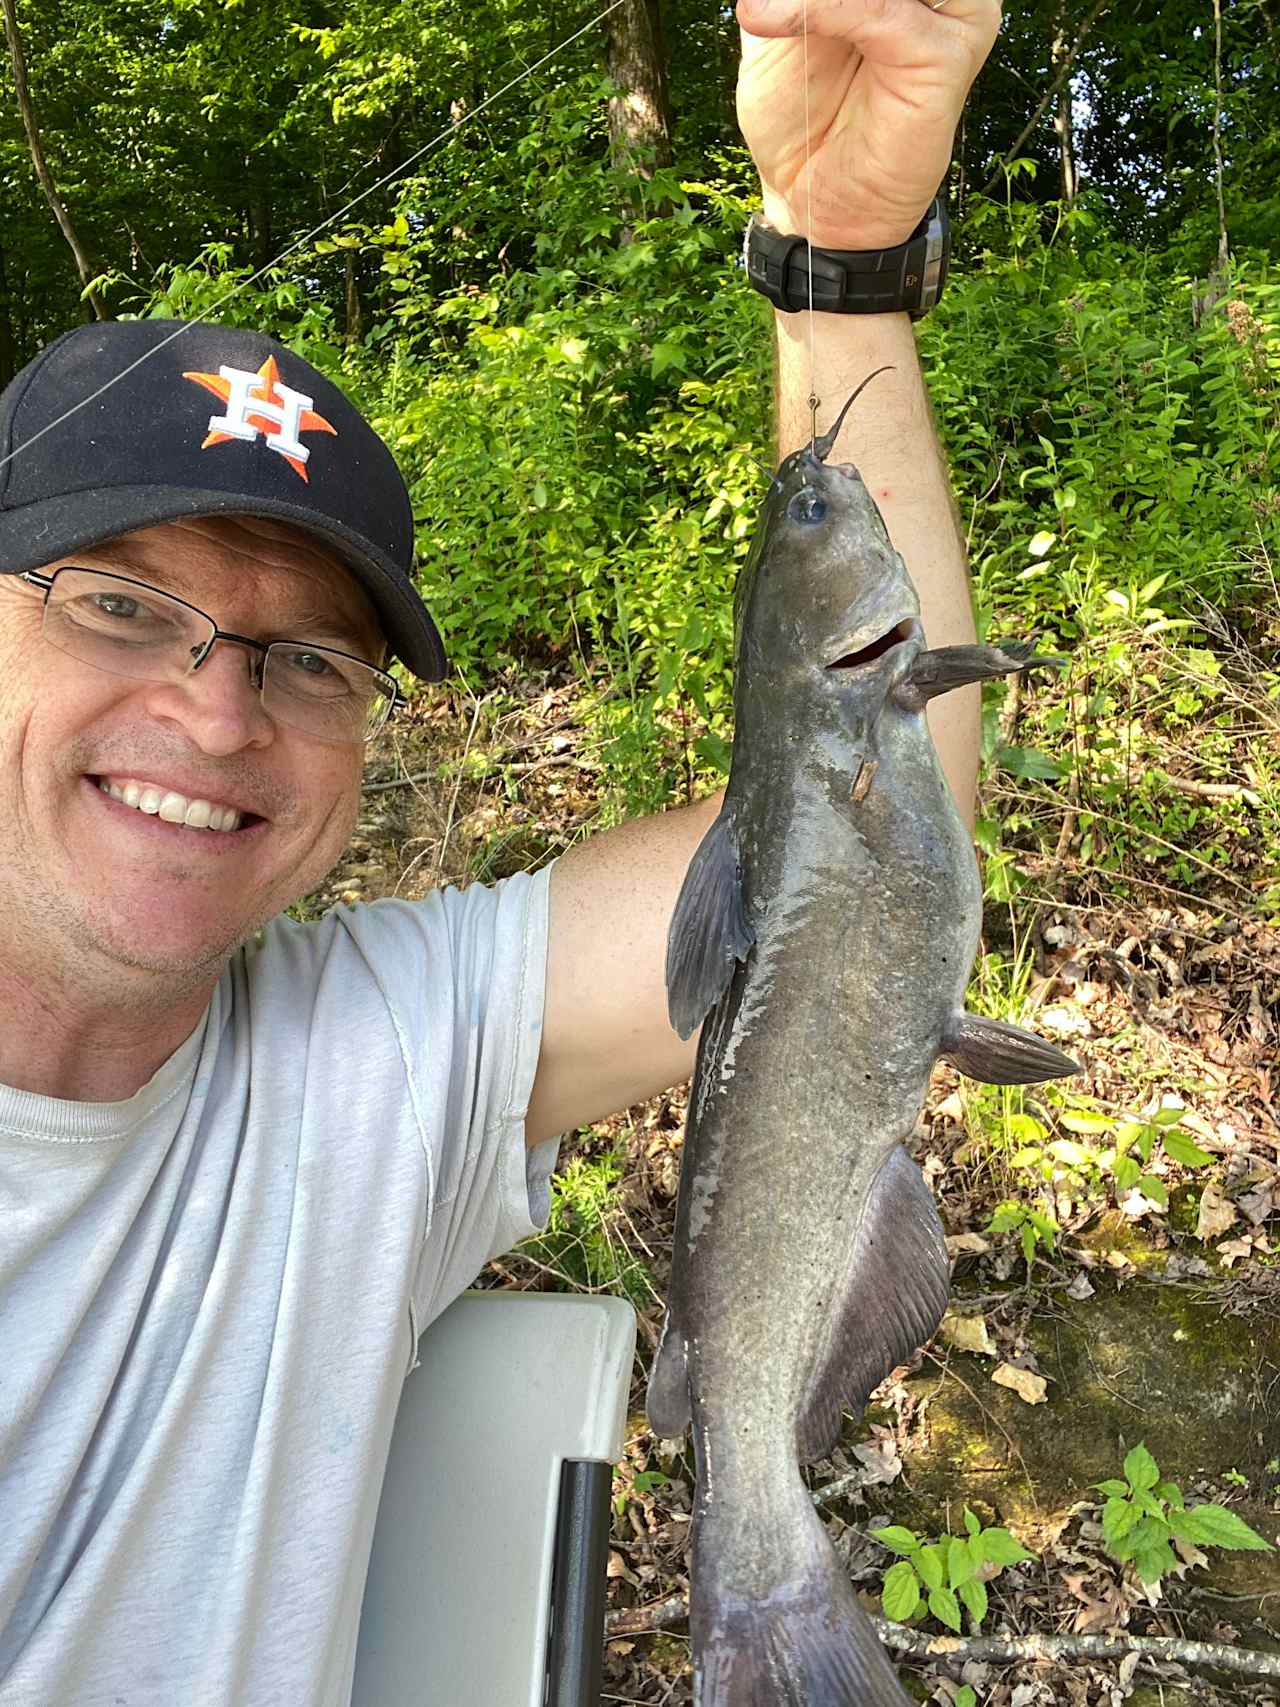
897,1539
974,1595
945,1608
966,1697
1182,1149
1075,1121
1152,1562
1117,1490
1140,1467
960,1565
1154,1189
1000,1547
1029,762
970,1522
901,1594
1217,1526
1118,1518
1072,1155
931,1566
1126,1172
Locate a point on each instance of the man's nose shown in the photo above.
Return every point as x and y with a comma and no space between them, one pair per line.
219,704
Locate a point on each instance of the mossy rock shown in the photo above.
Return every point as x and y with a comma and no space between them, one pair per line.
1136,1362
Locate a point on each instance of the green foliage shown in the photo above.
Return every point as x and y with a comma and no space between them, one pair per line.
1034,1227
945,1575
1084,1169
1144,1518
579,1243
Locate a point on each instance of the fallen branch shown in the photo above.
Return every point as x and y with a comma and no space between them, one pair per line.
1210,790
1250,1662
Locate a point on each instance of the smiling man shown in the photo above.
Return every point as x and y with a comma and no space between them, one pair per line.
244,1161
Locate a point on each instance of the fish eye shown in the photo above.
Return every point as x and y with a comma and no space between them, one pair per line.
808,506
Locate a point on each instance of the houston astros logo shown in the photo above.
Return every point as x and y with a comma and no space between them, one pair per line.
257,403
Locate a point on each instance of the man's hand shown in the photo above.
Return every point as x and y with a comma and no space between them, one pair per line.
887,80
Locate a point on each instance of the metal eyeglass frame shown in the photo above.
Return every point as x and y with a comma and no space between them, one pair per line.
44,583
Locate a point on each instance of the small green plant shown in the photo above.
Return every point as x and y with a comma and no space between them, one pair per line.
1127,1159
945,1574
1144,1518
643,1482
1084,1169
1034,1227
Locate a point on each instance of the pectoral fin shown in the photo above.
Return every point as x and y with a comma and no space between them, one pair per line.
950,667
1001,1054
709,932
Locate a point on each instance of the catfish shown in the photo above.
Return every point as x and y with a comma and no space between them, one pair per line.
823,939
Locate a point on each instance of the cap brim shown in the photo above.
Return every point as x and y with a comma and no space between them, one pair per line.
42,532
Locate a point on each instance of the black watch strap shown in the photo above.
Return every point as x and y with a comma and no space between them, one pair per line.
907,278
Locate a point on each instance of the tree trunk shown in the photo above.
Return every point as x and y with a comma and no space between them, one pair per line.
43,173
354,301
1064,122
639,115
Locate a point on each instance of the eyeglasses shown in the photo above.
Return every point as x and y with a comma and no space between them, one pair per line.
127,628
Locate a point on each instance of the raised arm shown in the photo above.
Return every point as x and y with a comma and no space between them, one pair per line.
887,81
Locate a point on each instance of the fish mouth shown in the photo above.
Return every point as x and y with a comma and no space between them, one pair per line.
901,634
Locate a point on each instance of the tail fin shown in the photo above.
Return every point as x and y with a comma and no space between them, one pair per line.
804,1642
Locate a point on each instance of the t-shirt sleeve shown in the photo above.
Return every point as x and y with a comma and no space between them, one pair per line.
462,975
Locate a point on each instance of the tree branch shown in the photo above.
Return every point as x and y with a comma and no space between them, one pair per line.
1064,71
1249,1662
43,174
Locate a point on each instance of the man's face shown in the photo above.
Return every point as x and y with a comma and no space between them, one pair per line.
91,875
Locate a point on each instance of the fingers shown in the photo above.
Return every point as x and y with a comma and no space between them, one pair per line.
903,25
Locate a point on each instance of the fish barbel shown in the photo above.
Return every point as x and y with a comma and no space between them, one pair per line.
825,932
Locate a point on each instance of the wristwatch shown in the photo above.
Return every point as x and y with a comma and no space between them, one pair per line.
907,278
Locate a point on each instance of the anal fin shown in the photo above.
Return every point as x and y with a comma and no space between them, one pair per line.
894,1294
709,932
949,667
997,1053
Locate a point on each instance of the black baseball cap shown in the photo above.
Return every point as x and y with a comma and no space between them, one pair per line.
127,423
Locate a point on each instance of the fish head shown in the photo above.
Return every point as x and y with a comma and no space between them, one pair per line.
823,592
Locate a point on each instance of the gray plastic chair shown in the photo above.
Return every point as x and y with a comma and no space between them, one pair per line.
487,1581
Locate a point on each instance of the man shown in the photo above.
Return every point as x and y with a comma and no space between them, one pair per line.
238,1173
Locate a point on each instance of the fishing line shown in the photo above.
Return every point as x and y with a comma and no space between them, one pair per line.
443,137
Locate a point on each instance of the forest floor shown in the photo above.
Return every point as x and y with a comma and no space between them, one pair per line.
1093,1316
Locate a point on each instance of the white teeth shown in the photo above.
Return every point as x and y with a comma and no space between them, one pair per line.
173,807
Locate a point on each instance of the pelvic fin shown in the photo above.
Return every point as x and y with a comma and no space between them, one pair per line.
1002,1054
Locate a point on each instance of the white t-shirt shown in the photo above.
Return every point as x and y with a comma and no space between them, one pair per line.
210,1295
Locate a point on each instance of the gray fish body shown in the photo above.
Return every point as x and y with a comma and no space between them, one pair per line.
828,924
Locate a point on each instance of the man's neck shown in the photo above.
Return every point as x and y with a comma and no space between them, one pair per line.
86,1046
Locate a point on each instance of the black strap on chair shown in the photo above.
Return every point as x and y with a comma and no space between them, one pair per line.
578,1585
